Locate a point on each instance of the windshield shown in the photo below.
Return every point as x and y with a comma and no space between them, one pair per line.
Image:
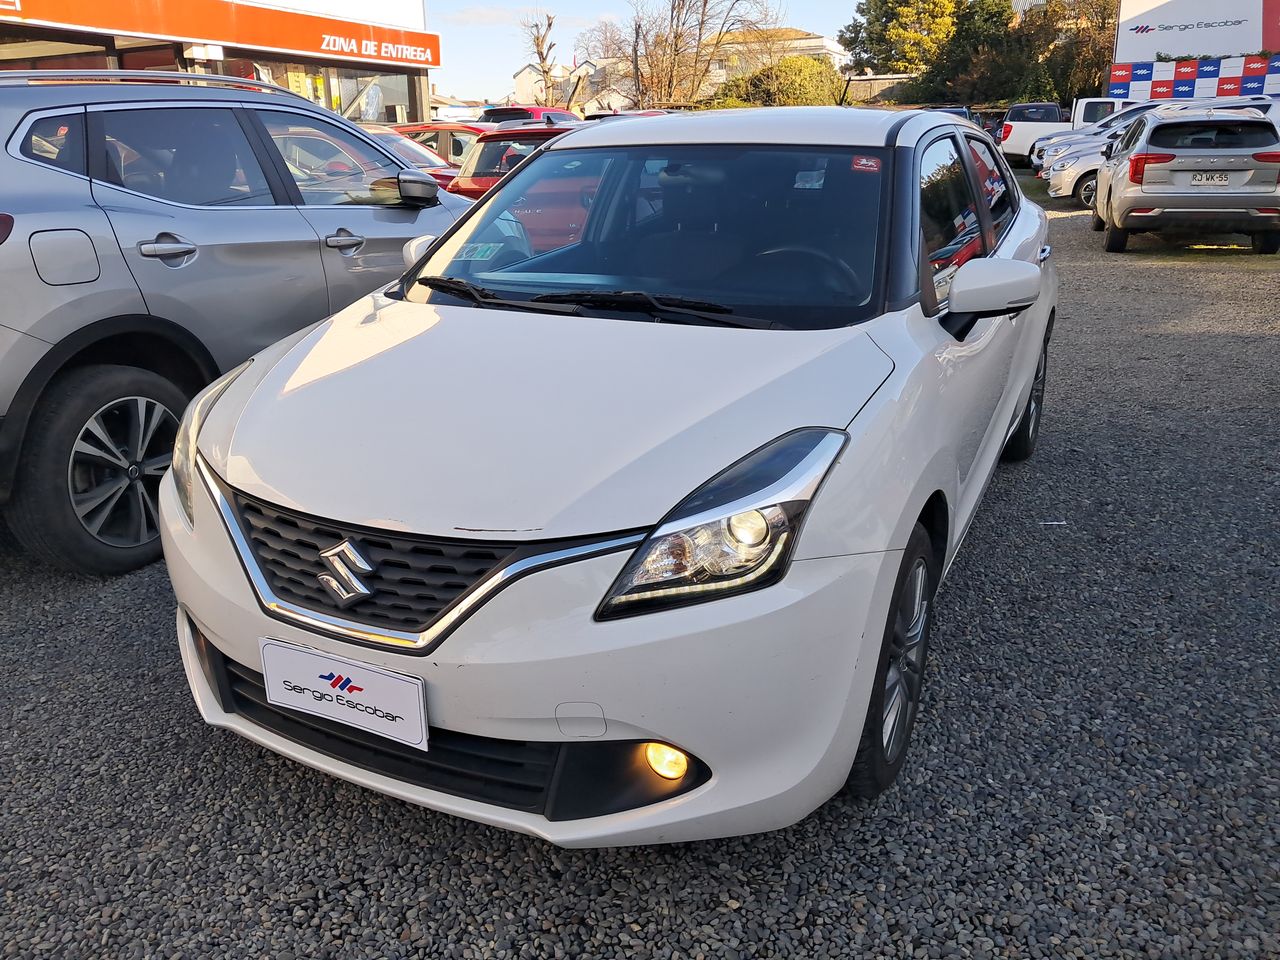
785,234
406,149
494,158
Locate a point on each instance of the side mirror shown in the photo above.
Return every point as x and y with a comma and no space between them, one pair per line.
415,248
1108,151
991,288
417,189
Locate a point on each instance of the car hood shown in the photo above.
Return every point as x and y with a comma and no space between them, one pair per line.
465,422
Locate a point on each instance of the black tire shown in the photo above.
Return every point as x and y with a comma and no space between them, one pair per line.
878,763
1096,223
1266,243
1115,239
1022,444
120,403
1086,186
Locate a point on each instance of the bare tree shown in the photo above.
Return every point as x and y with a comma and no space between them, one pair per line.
539,45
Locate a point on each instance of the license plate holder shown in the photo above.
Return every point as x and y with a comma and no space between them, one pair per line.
1200,178
369,698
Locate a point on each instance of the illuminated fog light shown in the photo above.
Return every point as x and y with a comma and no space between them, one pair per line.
665,761
750,528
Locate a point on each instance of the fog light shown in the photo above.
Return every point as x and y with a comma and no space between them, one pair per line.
665,761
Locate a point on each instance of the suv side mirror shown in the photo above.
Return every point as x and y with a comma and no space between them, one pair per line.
1108,150
417,189
991,288
415,248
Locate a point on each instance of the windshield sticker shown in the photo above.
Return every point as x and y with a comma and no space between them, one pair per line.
865,164
478,251
810,179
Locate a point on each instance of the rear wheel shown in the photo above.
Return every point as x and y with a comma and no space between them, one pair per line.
899,680
1087,189
87,494
1266,243
1114,239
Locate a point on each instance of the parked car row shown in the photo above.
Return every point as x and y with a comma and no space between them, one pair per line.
389,471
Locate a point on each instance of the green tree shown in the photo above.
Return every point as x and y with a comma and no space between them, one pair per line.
973,66
791,82
917,31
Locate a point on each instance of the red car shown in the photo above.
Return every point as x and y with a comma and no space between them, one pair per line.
496,152
449,138
421,156
519,111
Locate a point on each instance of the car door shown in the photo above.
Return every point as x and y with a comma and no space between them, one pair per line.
1119,158
206,230
345,186
976,355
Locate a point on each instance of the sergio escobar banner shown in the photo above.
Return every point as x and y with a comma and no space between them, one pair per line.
1196,28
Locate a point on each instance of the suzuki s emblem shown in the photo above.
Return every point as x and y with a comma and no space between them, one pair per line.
343,582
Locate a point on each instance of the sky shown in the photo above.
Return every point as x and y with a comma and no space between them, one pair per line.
481,46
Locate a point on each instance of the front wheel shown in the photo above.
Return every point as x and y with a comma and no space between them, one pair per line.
1266,243
1087,190
1115,239
87,494
1022,444
899,680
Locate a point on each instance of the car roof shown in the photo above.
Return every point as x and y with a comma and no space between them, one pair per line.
61,87
535,131
1207,113
817,126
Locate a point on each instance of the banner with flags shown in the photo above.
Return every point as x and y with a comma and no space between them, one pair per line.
1185,79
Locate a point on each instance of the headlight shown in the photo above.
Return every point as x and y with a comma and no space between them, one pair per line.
184,447
1054,151
735,533
1063,165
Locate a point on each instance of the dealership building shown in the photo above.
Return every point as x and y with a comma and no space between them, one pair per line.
374,68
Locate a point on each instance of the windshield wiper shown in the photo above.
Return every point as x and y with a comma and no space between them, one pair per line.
483,296
658,307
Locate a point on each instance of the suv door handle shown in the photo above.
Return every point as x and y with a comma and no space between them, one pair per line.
343,241
164,249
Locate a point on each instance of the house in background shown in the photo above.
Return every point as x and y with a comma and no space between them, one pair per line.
747,51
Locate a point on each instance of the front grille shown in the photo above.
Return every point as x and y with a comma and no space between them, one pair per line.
414,579
507,773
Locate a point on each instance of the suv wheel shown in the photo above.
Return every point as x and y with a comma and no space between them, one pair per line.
98,443
1266,243
1023,442
1114,239
899,682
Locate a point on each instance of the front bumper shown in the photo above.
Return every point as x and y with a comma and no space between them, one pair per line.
767,690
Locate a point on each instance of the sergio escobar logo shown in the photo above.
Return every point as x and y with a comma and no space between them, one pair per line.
322,696
1180,27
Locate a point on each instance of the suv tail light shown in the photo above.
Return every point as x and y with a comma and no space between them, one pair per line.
6,226
1269,157
1005,131
1139,162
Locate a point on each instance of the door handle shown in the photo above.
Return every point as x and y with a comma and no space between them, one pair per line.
164,249
1045,252
343,241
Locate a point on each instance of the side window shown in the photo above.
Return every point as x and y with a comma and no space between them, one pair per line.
57,141
428,138
994,182
329,165
184,154
948,214
458,144
1130,138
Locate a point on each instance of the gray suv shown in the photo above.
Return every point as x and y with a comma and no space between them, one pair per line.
155,230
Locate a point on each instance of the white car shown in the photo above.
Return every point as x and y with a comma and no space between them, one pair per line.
618,520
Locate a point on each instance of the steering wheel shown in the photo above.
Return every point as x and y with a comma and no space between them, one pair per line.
852,281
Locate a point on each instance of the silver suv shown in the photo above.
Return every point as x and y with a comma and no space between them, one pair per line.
156,230
1205,170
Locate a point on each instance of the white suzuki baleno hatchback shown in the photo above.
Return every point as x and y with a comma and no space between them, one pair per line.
619,518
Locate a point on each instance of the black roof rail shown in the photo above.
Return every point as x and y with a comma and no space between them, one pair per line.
11,78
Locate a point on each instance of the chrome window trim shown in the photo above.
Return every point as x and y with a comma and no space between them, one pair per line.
428,639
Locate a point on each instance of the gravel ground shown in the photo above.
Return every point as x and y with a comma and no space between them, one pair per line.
1095,774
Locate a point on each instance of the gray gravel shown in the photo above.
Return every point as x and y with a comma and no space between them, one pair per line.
1095,774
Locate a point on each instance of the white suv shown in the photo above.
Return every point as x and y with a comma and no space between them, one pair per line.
619,518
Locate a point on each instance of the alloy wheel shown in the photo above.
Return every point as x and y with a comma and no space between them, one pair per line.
904,678
1089,192
113,474
1037,392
